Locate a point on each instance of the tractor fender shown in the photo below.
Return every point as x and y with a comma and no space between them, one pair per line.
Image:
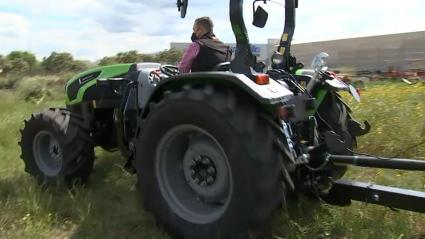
145,87
265,94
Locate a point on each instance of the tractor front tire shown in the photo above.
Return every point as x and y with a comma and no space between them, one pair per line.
208,165
56,148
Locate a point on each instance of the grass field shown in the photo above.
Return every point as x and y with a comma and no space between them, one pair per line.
110,207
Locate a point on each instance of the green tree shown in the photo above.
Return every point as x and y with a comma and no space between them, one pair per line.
59,61
128,57
26,56
147,58
2,61
170,56
4,64
78,65
108,60
16,71
19,66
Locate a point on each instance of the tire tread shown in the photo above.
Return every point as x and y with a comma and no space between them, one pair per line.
75,147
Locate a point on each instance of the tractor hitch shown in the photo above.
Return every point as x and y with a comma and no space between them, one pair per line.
343,191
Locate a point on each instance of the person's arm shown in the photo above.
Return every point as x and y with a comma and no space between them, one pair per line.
189,55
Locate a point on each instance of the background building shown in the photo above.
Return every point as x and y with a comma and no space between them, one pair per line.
403,51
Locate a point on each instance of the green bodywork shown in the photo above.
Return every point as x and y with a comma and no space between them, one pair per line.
107,71
320,94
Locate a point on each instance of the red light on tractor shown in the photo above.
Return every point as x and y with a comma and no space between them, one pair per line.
283,113
262,79
332,73
358,91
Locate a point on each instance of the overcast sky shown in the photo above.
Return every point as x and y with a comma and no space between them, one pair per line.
91,29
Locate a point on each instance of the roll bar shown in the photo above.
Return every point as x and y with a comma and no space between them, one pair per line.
244,61
288,32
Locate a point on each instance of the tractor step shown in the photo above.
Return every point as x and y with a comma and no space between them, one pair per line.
343,191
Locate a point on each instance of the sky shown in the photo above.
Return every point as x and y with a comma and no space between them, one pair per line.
92,29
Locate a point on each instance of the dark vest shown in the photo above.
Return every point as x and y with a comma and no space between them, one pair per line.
211,53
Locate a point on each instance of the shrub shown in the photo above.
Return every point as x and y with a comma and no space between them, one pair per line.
30,89
10,81
67,75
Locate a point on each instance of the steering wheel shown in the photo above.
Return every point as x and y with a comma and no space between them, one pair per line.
182,7
169,70
154,77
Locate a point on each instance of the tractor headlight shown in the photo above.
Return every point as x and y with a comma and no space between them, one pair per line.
277,58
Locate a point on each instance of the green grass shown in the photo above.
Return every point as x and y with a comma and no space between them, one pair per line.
110,207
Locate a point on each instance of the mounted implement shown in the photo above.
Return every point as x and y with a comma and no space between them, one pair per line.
215,153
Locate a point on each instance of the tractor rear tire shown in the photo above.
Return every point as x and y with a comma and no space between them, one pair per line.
236,132
56,148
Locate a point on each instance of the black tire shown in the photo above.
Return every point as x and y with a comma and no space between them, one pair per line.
73,142
334,115
247,139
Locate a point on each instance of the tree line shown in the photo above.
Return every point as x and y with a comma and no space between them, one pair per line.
24,62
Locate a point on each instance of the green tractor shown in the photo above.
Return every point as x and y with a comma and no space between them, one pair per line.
208,148
215,153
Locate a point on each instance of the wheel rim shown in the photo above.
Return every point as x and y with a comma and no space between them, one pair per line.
193,174
47,153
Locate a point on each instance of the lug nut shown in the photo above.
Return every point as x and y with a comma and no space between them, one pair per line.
192,163
196,181
210,180
206,161
203,184
198,158
211,170
192,172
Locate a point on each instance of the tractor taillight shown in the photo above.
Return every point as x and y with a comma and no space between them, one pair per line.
262,79
358,91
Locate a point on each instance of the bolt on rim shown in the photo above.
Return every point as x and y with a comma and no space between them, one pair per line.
193,174
47,153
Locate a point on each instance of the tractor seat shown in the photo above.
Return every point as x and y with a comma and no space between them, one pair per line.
224,66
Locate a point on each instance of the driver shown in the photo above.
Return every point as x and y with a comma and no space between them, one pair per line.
205,51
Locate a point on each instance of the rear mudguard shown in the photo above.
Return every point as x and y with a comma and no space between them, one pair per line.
333,85
354,127
320,94
265,94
